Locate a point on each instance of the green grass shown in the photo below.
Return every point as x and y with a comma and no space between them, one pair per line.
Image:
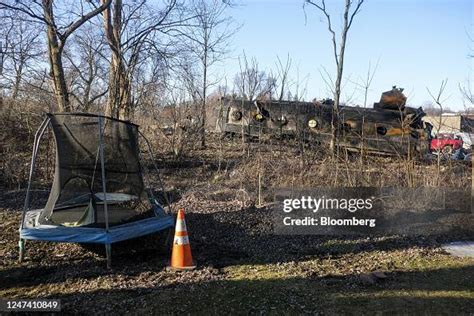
420,280
439,285
417,282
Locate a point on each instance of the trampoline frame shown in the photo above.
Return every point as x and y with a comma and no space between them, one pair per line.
107,235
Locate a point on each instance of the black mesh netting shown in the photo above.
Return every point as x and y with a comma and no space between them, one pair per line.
77,195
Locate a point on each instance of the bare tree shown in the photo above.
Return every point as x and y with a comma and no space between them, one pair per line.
439,102
59,27
251,82
176,117
364,83
348,19
209,42
467,92
149,83
5,35
466,88
88,75
282,84
135,32
20,49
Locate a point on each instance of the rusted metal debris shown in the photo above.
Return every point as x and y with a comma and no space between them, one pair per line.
390,127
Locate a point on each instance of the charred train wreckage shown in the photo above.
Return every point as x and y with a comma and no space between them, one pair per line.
389,127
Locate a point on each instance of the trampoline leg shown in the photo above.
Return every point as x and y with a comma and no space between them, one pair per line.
21,246
108,252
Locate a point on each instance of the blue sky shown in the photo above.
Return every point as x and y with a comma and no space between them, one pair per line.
418,43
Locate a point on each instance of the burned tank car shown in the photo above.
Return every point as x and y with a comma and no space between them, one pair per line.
280,119
388,128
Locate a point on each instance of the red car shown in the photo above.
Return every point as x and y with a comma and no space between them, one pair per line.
446,143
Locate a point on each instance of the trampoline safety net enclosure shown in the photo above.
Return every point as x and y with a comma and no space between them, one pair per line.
98,194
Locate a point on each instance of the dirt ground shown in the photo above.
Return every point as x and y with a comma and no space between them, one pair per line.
243,267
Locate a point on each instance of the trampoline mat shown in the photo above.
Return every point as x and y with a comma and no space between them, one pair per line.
117,215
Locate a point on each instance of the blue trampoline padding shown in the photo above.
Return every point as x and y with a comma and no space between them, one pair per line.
97,235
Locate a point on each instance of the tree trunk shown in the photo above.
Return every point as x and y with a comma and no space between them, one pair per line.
18,75
55,57
86,99
204,96
119,100
118,104
340,68
2,61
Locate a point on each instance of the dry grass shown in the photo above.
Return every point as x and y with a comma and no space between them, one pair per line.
243,267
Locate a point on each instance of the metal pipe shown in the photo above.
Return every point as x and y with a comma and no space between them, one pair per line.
150,191
152,156
108,249
21,246
108,253
102,164
38,135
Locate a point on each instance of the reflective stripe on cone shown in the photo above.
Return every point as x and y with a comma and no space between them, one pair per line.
181,240
180,225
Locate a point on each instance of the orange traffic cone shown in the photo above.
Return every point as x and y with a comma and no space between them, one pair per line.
181,258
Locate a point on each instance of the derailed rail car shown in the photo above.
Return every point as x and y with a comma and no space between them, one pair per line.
388,128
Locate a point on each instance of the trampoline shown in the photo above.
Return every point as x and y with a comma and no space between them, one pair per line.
98,193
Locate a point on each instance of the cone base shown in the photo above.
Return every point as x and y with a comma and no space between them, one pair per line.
174,269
